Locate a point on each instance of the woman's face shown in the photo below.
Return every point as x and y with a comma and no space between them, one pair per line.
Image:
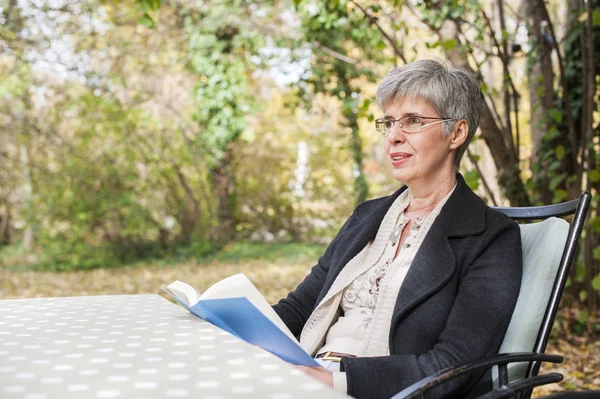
422,158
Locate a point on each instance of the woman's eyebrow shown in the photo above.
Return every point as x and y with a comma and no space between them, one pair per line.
403,115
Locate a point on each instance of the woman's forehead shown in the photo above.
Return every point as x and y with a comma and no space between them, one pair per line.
408,105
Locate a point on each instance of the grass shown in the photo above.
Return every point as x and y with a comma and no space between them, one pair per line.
274,268
17,259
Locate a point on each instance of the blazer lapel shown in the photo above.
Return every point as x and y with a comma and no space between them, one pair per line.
462,215
431,268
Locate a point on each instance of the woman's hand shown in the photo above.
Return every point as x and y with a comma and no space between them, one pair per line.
318,372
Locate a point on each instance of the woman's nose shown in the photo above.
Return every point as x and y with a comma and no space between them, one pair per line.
396,135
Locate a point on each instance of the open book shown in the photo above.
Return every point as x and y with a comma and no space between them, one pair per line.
236,306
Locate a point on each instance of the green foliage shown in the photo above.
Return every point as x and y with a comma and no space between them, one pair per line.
472,179
61,256
596,255
15,255
595,222
556,180
596,17
199,248
337,30
124,168
147,21
221,50
67,254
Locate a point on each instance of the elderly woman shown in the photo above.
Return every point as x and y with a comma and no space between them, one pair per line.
425,278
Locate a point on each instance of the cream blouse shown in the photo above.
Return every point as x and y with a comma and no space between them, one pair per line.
368,301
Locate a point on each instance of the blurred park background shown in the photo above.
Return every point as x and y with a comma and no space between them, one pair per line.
143,141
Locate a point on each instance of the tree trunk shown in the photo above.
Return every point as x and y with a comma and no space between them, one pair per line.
189,217
361,188
28,239
223,184
588,60
5,226
499,143
541,92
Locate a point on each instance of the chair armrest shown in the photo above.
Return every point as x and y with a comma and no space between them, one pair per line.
500,360
526,384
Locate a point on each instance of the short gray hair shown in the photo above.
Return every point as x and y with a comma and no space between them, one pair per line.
452,92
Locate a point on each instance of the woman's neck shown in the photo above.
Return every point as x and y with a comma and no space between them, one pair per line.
424,199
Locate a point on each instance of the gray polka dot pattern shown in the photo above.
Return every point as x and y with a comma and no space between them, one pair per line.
133,346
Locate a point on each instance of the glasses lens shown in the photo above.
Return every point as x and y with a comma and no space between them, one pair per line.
412,124
383,126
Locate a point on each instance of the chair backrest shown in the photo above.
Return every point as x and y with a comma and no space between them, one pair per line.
542,245
548,251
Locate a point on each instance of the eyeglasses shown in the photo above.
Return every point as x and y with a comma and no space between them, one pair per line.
408,124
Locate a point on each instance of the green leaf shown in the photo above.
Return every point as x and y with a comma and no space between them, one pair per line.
435,44
554,165
560,152
583,295
596,253
552,133
596,17
556,180
596,283
594,176
155,4
147,21
472,179
449,44
556,114
559,196
595,222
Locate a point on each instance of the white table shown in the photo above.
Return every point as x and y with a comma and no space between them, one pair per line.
133,346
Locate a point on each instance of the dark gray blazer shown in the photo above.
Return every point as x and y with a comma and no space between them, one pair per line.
454,305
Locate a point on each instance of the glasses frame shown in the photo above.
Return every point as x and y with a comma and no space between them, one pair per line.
423,126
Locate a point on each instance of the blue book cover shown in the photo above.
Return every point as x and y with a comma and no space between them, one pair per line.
241,318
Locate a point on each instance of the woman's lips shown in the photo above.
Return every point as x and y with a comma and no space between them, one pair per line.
399,158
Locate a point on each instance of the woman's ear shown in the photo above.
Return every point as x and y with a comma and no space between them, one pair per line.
460,134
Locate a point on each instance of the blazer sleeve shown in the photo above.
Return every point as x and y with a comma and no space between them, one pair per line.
297,307
475,327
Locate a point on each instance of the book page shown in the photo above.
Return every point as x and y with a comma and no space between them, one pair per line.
238,286
185,292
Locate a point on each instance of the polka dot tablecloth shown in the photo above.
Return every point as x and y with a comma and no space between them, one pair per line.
133,346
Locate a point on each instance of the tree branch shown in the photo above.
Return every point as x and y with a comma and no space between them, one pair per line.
373,21
503,55
334,53
486,186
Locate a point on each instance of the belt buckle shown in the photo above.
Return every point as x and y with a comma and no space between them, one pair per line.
329,356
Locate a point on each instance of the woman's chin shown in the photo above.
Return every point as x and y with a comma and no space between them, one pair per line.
402,176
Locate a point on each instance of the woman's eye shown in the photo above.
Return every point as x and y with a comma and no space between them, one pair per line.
413,120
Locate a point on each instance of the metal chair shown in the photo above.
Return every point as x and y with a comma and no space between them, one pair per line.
518,362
